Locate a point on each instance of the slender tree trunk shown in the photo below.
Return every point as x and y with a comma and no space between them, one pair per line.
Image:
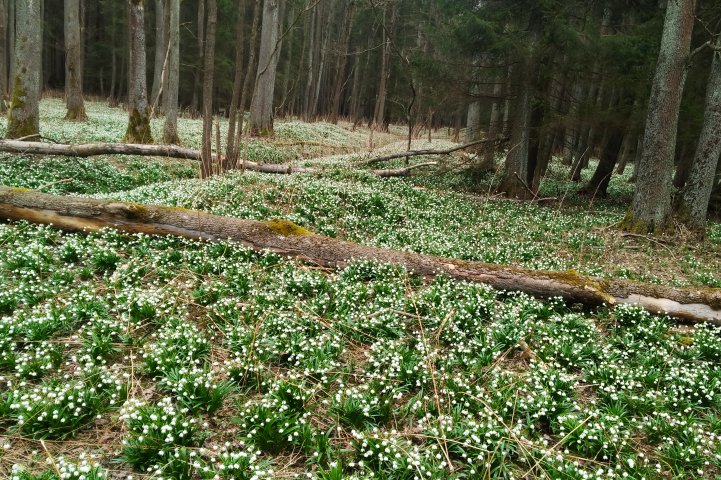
694,201
473,121
312,31
201,50
73,63
261,107
249,81
379,113
341,64
3,55
24,114
516,171
230,151
160,51
628,142
170,97
11,44
494,126
651,208
139,110
206,167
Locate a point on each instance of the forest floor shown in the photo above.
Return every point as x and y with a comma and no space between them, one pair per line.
167,358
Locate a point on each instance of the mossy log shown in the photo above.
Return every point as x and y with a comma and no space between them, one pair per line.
75,213
170,151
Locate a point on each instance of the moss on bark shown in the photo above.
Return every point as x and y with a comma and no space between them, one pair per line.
20,122
138,128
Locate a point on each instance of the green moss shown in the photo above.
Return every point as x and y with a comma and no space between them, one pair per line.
138,128
27,126
643,227
286,228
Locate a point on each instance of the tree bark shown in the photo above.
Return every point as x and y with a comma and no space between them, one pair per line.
598,185
261,107
341,64
251,71
3,55
73,63
206,164
694,201
379,114
286,238
170,97
160,51
651,208
24,114
201,37
231,151
139,110
473,121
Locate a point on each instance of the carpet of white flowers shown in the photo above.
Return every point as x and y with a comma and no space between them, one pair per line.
132,356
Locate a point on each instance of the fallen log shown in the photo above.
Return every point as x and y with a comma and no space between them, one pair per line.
77,214
420,153
169,151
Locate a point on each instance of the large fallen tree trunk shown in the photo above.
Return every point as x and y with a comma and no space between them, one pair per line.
75,213
169,151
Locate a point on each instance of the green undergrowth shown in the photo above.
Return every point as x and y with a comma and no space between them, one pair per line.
196,358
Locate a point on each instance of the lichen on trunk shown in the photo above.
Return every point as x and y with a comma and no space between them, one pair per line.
138,127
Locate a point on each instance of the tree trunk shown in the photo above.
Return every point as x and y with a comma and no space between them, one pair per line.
473,121
261,107
160,51
201,49
312,53
651,208
139,111
12,20
3,55
73,63
494,126
231,152
379,113
341,65
694,201
598,185
517,171
251,71
206,164
24,114
87,214
170,97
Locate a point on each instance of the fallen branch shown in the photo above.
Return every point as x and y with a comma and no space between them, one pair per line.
170,151
75,213
418,153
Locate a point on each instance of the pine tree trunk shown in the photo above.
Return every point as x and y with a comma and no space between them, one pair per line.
312,32
160,51
206,167
73,63
139,110
651,208
24,114
695,197
170,97
261,107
